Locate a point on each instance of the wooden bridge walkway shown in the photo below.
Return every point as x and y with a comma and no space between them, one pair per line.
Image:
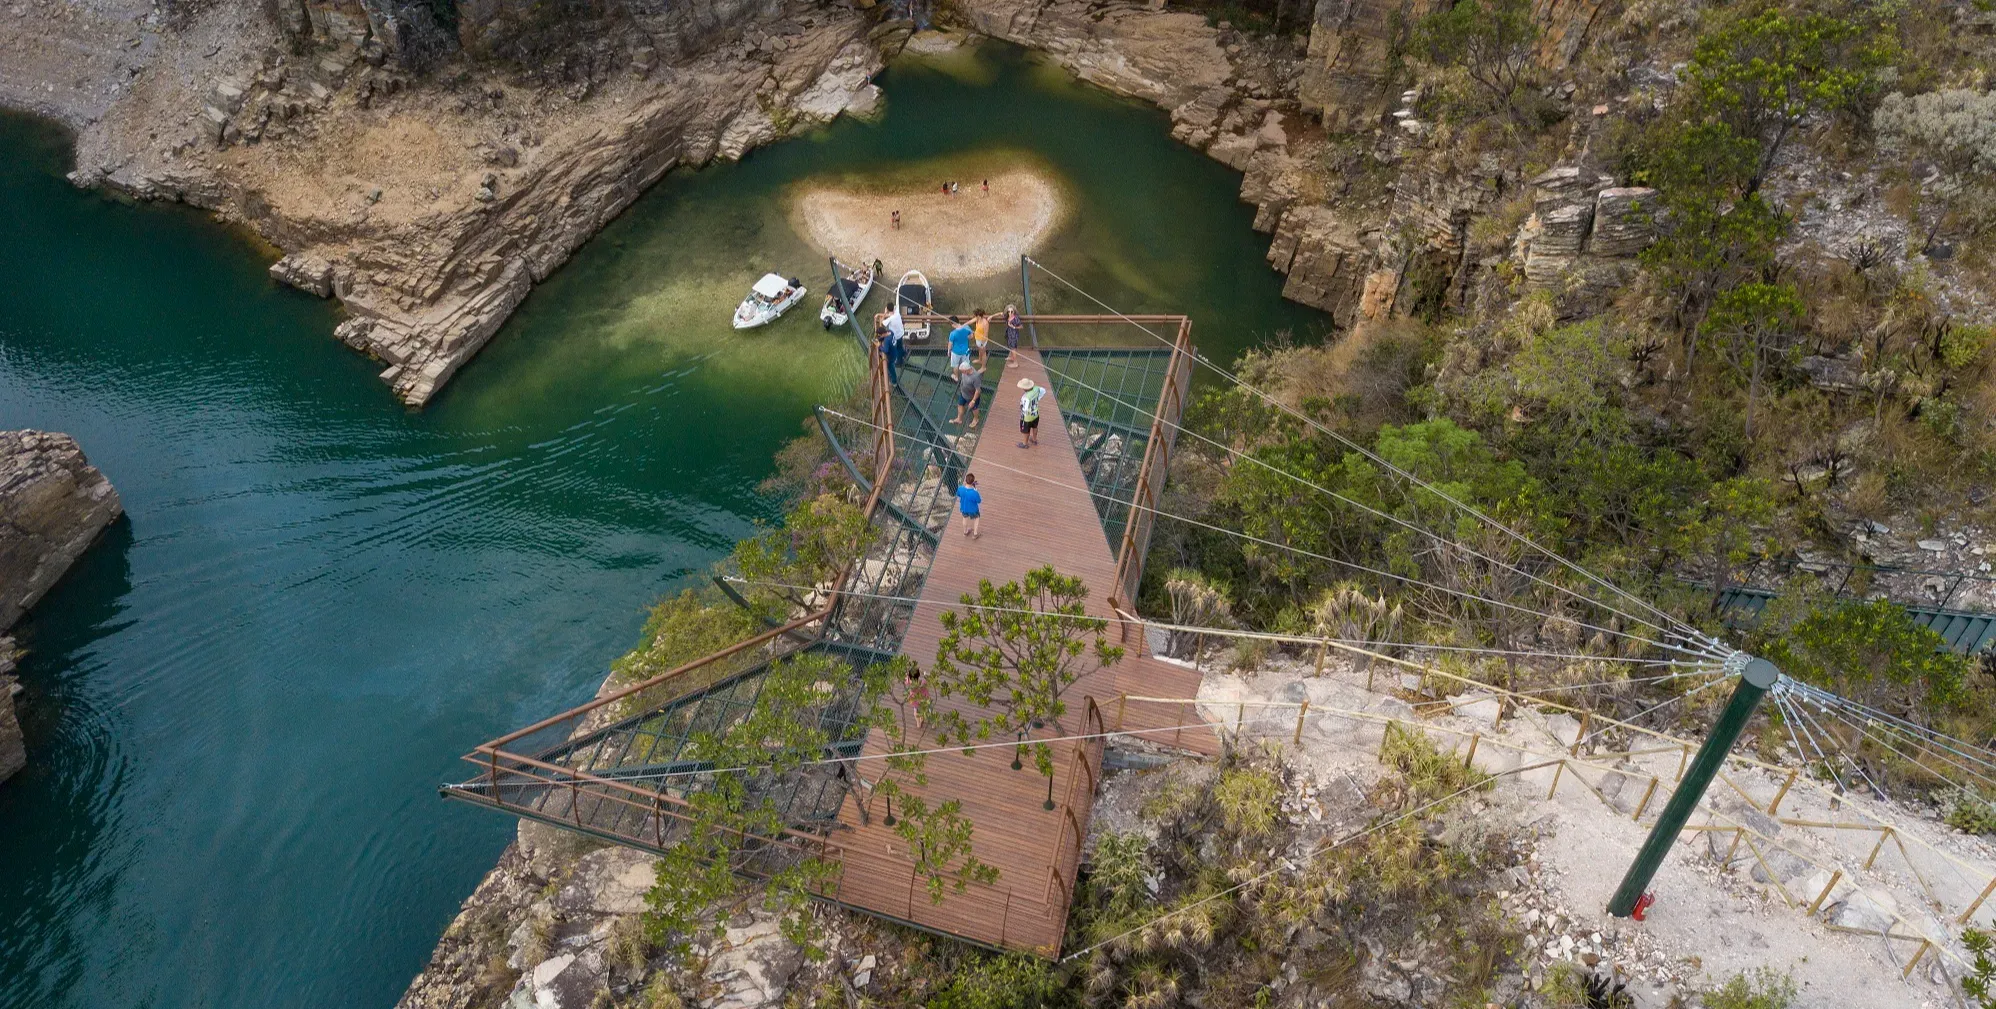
1037,511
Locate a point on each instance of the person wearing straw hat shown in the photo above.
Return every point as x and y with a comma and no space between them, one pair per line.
1029,411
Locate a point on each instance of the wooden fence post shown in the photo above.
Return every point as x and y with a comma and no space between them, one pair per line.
1556,772
1781,794
1300,713
1979,898
1825,895
1470,759
1884,833
1323,652
1738,833
1647,794
1586,717
1925,944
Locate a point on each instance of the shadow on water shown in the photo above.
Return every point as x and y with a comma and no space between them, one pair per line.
240,704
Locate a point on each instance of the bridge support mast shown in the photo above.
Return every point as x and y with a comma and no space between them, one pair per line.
1757,677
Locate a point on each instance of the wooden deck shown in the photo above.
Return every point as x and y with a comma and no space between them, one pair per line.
1037,511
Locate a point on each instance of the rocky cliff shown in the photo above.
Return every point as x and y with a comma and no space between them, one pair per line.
426,177
53,504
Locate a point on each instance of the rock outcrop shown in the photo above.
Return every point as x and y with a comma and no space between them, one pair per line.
53,505
1583,234
558,922
1351,46
428,179
13,749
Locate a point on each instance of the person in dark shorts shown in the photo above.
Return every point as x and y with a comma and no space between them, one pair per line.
971,503
1012,327
1029,412
969,390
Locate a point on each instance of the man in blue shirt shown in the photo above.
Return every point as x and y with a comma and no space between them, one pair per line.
971,503
959,345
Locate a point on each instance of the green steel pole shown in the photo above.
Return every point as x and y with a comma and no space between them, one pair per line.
1756,679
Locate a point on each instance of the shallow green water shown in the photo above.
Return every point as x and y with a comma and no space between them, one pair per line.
239,704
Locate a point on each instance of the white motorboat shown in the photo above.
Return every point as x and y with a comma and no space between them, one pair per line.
855,283
913,297
770,297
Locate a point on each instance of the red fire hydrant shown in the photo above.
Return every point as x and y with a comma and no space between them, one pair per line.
1642,906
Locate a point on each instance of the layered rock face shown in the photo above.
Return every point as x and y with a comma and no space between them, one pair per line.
1350,45
1584,233
53,504
427,161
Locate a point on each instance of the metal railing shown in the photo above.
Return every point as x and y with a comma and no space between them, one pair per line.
523,784
1151,477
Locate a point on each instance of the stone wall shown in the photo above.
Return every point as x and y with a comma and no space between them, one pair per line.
53,504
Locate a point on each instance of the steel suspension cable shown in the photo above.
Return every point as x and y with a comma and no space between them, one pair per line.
1697,654
1854,765
1369,454
1368,509
1985,757
1694,666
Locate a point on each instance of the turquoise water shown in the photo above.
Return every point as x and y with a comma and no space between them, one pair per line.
239,704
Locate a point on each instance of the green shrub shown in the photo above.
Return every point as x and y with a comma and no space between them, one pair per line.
1968,810
1765,988
1429,773
1247,797
1012,981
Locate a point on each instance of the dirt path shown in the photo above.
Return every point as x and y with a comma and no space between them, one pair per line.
970,234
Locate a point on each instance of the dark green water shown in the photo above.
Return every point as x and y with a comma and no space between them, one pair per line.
239,704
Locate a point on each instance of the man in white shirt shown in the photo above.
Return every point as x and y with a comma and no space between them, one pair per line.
892,334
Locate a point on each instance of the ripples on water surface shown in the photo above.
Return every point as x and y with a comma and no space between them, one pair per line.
240,703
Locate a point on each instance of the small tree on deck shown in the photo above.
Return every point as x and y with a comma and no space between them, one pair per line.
939,837
1014,649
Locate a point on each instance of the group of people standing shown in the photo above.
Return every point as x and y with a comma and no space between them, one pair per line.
973,338
969,354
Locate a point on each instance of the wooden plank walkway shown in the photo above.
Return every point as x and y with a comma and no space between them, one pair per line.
1037,511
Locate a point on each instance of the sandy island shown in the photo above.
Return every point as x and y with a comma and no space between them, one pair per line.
970,234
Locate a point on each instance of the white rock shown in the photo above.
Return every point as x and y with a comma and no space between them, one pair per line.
1477,706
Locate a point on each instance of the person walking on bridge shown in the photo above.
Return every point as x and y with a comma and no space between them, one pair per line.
980,336
1029,412
971,503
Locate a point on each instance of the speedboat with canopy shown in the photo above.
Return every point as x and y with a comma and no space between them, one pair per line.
913,297
769,298
855,283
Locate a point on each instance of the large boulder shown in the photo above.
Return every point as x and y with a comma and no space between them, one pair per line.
53,503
